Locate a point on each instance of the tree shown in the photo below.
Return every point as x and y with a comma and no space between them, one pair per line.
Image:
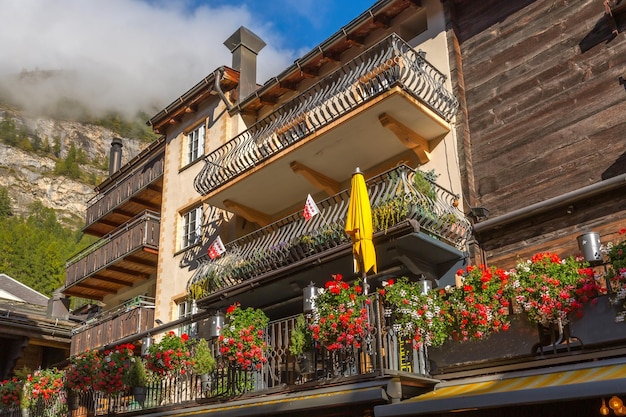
5,203
69,166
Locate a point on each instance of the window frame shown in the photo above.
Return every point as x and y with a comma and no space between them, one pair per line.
190,237
196,138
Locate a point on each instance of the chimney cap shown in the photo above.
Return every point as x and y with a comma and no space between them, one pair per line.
244,37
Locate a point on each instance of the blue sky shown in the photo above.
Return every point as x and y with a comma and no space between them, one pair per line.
132,55
303,24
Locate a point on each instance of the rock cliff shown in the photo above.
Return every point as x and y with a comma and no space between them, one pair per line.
29,175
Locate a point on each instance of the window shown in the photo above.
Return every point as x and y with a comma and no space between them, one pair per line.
185,309
195,144
191,227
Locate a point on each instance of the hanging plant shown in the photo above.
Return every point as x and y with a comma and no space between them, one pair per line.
340,320
242,341
171,356
425,318
480,305
549,288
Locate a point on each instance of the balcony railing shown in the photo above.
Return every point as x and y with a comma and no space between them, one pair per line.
391,62
132,317
124,188
141,232
396,195
377,356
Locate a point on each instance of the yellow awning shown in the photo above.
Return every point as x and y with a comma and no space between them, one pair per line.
588,381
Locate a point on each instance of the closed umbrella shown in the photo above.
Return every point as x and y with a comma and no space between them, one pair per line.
359,227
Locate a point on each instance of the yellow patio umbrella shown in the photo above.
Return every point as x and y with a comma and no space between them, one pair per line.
359,226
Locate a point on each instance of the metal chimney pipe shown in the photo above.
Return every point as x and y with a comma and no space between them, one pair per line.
115,156
245,46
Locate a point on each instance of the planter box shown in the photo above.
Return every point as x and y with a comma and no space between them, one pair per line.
521,340
597,324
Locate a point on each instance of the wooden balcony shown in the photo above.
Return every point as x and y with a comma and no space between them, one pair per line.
416,223
387,102
136,187
118,260
132,317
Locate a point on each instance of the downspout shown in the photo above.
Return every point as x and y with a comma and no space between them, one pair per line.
546,205
217,75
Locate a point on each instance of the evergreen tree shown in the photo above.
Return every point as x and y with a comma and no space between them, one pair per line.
34,250
5,203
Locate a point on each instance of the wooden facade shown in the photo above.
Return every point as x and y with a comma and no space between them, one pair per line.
543,116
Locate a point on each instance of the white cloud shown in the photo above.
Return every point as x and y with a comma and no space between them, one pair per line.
124,55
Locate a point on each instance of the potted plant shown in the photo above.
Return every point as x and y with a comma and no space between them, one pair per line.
242,341
81,373
10,394
112,369
300,344
302,246
137,380
204,363
549,288
340,321
171,356
41,389
480,304
424,318
390,212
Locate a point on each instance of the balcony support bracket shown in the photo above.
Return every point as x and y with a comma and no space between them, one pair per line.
248,213
408,137
319,180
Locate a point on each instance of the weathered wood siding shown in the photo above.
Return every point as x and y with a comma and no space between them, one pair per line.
546,115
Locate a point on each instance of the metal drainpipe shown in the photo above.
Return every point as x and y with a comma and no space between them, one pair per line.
543,206
217,75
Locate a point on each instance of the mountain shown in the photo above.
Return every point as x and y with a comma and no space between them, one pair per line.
59,162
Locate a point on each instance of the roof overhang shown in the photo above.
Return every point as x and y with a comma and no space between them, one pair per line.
565,383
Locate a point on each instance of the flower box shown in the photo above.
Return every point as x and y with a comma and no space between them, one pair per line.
598,323
519,341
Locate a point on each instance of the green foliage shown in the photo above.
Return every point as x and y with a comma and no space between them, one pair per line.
5,203
300,340
423,182
33,250
70,165
135,128
13,135
389,213
137,374
204,360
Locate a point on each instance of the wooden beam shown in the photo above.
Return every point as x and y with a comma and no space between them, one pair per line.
248,213
119,279
288,85
82,295
354,40
145,203
94,287
319,180
140,261
408,137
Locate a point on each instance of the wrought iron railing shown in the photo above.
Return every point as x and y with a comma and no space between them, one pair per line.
396,195
142,231
376,356
390,62
126,187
